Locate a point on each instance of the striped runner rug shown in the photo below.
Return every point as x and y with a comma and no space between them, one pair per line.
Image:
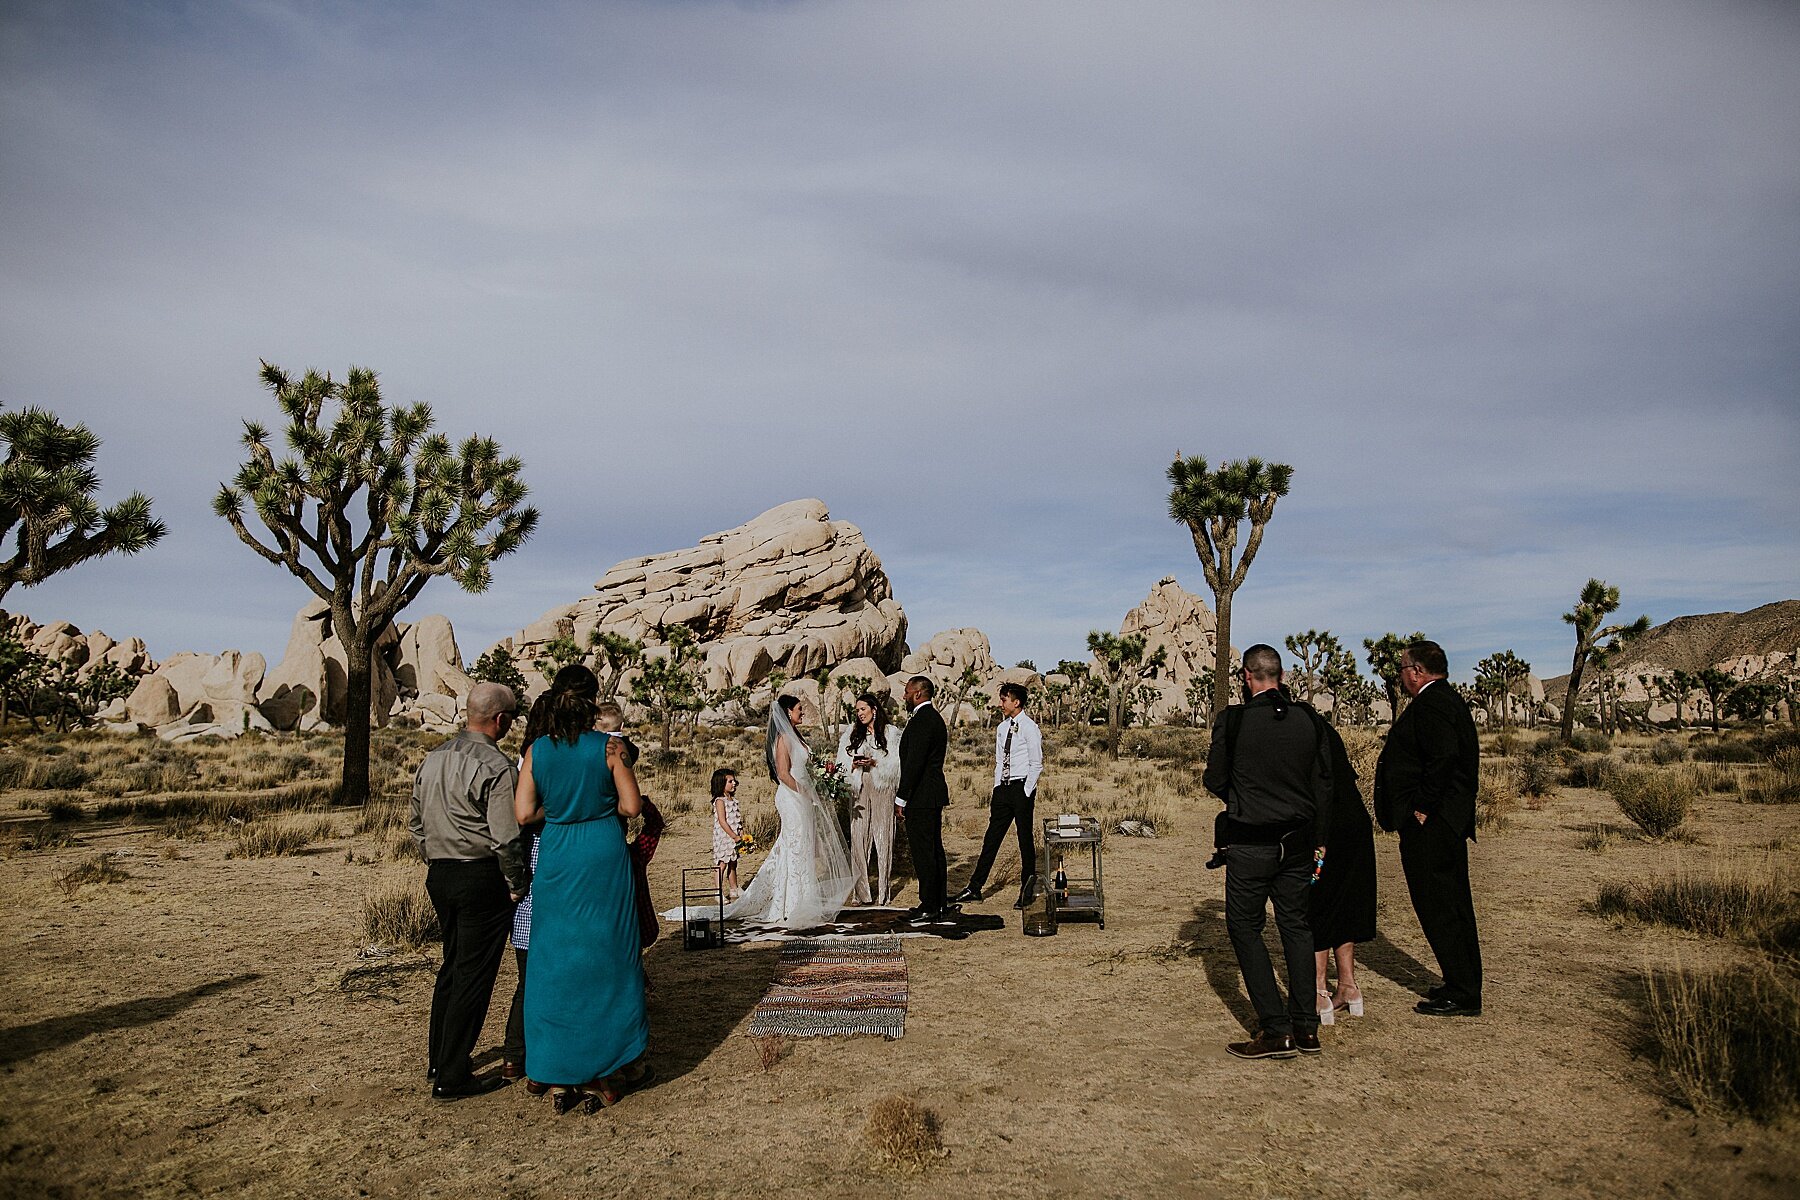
835,987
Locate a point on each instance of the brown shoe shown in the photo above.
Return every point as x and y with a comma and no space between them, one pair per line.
1264,1045
512,1070
1308,1043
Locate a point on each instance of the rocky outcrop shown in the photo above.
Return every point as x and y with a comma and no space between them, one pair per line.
64,642
790,591
1179,623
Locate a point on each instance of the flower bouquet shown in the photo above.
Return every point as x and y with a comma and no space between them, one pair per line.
828,781
745,844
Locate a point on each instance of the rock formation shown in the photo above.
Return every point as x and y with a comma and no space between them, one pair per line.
1180,624
790,591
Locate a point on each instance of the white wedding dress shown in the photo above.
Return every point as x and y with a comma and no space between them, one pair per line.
806,879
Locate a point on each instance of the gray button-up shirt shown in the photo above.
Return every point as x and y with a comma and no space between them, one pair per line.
462,806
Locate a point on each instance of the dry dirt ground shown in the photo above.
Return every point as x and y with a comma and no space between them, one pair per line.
184,1031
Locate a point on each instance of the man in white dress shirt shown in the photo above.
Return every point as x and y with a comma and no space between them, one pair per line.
1018,761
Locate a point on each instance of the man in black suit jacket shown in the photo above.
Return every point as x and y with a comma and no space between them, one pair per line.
922,797
1425,784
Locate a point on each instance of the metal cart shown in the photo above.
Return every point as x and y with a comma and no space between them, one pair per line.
1075,893
701,888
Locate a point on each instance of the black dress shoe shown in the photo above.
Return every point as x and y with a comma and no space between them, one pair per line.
475,1085
431,1072
1308,1043
1027,891
922,918
968,895
1445,1006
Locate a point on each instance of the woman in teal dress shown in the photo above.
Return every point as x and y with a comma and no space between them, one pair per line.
585,1029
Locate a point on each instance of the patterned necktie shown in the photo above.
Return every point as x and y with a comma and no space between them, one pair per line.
1006,754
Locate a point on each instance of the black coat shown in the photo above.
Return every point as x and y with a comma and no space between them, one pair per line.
922,748
1431,762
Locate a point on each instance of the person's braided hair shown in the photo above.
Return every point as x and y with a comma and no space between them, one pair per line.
572,698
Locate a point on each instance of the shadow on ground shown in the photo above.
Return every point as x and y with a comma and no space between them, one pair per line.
27,1041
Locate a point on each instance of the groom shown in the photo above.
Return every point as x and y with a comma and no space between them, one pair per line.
922,797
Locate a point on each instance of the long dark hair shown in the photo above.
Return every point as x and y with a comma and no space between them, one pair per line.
537,721
787,704
880,723
569,712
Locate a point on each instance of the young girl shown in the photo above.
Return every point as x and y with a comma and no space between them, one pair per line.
728,827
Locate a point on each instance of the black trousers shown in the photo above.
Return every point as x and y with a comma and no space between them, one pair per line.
475,911
1253,876
1011,806
513,1051
1435,858
925,838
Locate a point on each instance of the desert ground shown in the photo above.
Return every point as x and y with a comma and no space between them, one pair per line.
199,1019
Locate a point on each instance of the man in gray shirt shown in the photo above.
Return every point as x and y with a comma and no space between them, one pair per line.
462,821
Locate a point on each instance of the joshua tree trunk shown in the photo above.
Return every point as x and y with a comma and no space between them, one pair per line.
1222,655
359,688
1575,673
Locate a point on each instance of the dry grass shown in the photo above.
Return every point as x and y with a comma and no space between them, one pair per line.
1498,796
274,838
903,1133
1777,783
1655,799
401,915
102,868
400,846
1729,1040
771,1048
34,838
1748,901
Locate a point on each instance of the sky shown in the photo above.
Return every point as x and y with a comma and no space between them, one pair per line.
1514,289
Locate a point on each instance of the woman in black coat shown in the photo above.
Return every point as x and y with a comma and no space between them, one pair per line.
1343,900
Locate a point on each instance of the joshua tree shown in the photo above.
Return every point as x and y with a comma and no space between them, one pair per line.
496,666
1384,660
669,683
959,690
1080,694
1497,674
1213,504
47,485
1339,677
1199,697
1672,688
558,653
1597,602
1716,684
617,654
1752,700
1119,665
1311,651
370,507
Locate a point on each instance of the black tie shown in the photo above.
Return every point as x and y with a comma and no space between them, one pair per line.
1006,753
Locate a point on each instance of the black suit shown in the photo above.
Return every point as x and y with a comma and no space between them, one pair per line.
922,786
1431,765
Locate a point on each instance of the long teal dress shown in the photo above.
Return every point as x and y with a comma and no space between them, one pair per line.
584,981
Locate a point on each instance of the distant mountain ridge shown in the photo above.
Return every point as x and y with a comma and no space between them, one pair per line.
1721,639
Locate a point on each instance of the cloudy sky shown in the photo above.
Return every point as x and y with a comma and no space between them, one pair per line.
1514,288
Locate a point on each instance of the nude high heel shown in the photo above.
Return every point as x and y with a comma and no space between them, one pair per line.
1327,1012
1354,1007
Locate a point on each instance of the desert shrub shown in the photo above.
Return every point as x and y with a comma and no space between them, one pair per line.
1599,839
400,846
33,838
102,868
274,838
55,775
62,808
1727,902
1591,741
1165,745
1538,774
1729,1040
12,771
1498,795
765,827
1666,750
1769,744
1725,750
399,916
1779,782
383,814
1589,771
903,1133
1656,800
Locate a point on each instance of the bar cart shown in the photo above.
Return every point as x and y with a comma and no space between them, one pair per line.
1073,841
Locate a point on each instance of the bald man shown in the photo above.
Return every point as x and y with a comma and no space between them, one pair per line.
462,821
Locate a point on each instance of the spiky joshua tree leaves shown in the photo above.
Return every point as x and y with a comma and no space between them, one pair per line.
368,507
1119,665
47,485
1597,602
1213,505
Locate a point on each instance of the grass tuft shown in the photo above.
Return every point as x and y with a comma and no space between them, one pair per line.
1654,799
401,915
1728,902
903,1133
102,868
1729,1040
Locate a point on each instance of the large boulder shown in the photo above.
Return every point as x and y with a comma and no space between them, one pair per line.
153,702
314,663
187,673
1177,622
790,591
429,662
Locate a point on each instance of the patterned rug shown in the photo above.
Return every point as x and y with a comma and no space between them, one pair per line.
861,923
835,987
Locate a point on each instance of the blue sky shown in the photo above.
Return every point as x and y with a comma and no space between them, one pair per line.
1515,289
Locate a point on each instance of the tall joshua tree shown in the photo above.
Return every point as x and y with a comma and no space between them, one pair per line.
1384,660
1213,505
47,485
1497,674
1597,602
368,507
1311,651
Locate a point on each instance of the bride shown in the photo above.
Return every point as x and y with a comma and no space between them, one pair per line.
807,877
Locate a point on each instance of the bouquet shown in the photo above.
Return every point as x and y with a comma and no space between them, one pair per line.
828,781
746,843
